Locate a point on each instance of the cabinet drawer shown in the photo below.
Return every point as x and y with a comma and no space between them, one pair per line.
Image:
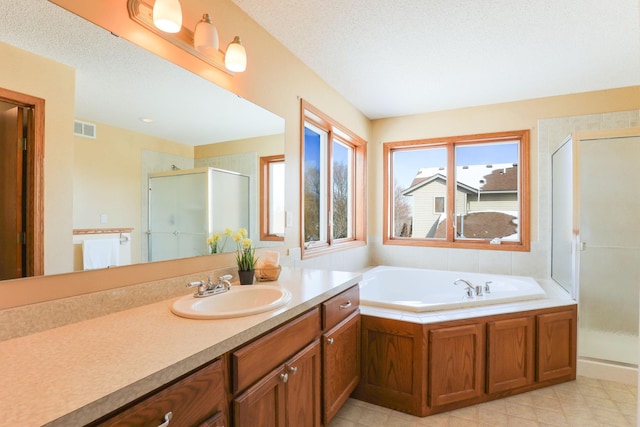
255,360
340,307
194,400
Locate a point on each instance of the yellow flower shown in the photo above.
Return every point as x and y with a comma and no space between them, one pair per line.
216,237
246,243
243,232
228,232
237,237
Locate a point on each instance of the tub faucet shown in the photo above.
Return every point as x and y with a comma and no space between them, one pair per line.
471,290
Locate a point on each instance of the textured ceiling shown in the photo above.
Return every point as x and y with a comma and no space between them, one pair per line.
118,82
399,57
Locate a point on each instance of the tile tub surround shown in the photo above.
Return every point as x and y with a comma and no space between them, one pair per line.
87,369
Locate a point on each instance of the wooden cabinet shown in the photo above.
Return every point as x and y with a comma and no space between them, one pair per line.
456,364
341,364
510,354
340,350
429,368
288,396
556,353
276,378
393,365
198,399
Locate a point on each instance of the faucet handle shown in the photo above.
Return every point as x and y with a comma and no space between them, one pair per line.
194,284
225,277
487,288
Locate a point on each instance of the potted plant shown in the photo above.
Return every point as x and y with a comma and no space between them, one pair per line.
245,257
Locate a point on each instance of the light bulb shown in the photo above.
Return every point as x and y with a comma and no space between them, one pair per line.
205,36
167,15
235,59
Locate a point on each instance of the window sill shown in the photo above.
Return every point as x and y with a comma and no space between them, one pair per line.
336,247
504,246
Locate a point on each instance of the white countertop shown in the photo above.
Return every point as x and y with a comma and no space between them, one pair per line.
76,373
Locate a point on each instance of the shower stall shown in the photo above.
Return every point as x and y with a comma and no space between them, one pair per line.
595,251
187,206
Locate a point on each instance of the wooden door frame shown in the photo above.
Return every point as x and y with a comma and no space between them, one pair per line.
35,180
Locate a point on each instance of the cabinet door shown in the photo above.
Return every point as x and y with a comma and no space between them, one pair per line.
302,389
341,364
456,364
510,354
556,356
262,405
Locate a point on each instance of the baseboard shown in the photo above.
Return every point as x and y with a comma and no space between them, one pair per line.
607,371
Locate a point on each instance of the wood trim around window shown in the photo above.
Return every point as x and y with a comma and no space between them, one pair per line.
309,113
264,197
449,142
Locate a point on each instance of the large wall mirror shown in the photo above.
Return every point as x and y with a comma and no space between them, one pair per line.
138,115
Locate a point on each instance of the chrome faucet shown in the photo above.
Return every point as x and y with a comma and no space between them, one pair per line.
209,288
471,290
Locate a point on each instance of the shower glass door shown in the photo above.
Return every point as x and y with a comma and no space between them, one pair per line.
609,248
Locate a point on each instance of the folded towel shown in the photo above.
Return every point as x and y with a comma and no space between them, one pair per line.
100,253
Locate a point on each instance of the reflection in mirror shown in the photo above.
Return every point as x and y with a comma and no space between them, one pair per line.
137,114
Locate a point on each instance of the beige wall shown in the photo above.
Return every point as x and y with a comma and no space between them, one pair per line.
484,119
269,145
107,173
55,83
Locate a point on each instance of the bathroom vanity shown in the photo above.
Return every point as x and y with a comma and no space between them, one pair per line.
298,363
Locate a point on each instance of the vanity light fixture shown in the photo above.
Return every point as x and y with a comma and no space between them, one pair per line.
205,36
203,42
235,59
167,15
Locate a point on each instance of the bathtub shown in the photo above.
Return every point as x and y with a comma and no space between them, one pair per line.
421,290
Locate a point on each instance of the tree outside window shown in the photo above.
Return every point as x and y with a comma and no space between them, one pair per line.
333,162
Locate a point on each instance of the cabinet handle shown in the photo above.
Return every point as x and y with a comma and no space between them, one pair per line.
293,369
345,306
284,377
167,419
330,341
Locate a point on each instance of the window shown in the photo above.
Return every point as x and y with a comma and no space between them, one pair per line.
333,183
464,191
272,198
438,203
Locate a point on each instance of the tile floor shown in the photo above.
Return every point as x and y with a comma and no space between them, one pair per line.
585,402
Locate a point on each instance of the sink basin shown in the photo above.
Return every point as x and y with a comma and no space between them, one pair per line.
238,302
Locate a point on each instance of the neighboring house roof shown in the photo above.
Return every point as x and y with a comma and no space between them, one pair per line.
483,225
485,178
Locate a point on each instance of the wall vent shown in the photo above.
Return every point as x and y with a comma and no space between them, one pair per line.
84,129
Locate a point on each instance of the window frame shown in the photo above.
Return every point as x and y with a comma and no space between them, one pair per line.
338,133
524,190
265,187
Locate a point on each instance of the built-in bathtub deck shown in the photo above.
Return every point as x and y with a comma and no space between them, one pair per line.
556,296
431,362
